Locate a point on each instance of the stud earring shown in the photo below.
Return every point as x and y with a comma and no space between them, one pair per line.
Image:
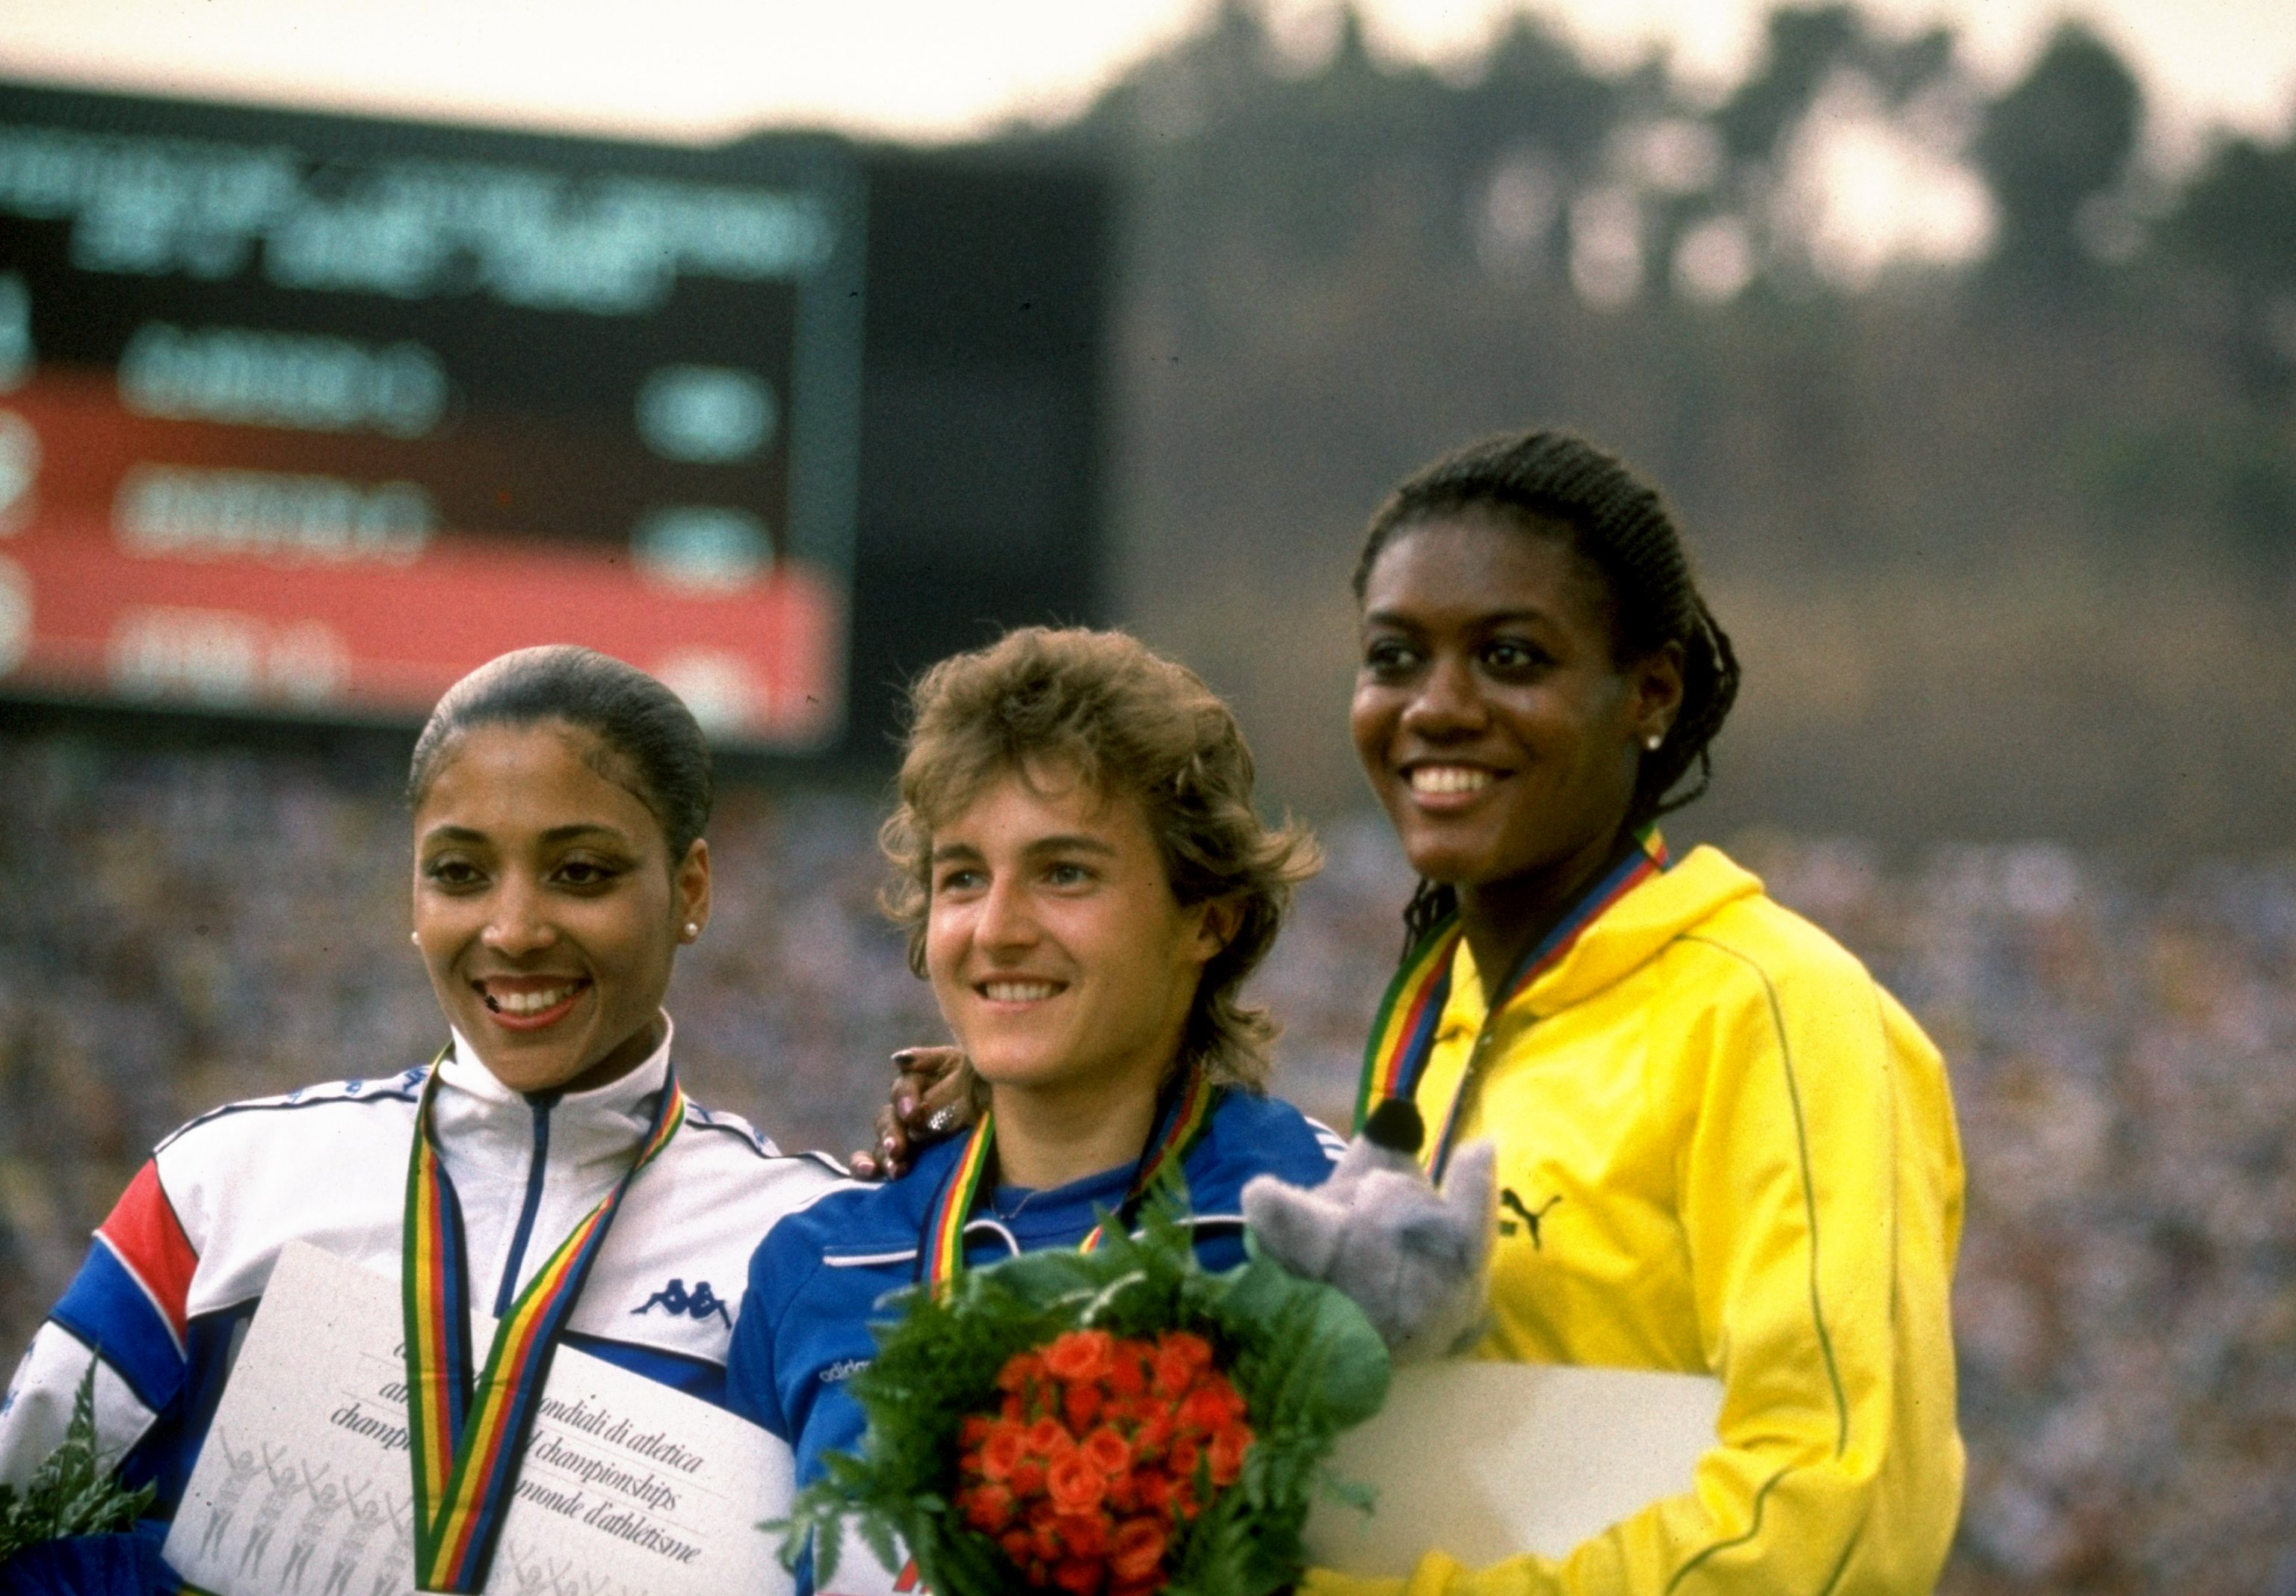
692,931
415,938
1653,739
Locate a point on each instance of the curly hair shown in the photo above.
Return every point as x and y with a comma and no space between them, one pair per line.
1131,724
1557,484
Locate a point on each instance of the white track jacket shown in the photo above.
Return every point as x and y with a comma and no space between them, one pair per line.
176,1272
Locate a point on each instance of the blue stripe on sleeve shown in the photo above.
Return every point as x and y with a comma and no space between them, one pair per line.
106,1310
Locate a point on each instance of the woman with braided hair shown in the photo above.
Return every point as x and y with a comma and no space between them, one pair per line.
1721,1148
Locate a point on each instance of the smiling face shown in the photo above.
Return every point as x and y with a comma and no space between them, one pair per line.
547,908
1059,955
1497,727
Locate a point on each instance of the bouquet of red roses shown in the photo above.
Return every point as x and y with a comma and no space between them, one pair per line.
1108,1423
1093,1462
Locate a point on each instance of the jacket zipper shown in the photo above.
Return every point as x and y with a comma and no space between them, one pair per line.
540,1105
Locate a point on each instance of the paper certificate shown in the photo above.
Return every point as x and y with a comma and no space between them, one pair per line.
1487,1462
627,1488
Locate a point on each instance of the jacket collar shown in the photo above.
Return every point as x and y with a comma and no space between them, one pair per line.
1627,936
477,1114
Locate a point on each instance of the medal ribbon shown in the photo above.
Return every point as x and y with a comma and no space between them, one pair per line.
466,1436
1182,1123
1403,1031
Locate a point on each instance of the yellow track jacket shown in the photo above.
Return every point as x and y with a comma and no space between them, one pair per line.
1723,1149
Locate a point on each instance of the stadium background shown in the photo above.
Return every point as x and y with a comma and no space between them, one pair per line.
2002,514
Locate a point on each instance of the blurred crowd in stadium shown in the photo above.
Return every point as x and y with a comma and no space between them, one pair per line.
178,928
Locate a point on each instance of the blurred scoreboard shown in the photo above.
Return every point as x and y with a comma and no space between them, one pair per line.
307,416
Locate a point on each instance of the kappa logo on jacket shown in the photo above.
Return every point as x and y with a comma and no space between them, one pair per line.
700,1303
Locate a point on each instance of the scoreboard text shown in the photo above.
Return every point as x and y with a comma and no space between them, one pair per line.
313,415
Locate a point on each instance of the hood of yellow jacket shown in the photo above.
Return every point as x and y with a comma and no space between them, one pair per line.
1632,930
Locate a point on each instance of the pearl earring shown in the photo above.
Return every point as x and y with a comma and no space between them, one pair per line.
415,938
692,931
1653,739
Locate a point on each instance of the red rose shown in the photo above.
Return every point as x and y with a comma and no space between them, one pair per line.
1136,1554
1080,1405
1080,1575
1193,1349
1048,1440
1074,1484
1083,1534
1080,1354
1107,1451
1229,1445
973,1431
1154,1434
1210,1406
1154,1489
1127,1375
1027,1477
987,1508
1182,1459
1017,1543
1001,1453
1019,1370
1173,1372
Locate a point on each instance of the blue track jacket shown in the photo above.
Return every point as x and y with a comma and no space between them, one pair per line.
817,1280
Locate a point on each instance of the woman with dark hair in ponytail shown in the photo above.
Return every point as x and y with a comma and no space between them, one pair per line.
545,1168
1721,1148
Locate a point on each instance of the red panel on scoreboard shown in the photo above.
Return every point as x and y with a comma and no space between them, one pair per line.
240,614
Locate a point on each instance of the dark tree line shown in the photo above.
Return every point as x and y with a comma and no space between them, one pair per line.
1253,183
1234,148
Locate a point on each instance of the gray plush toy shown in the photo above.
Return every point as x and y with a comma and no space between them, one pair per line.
1416,1260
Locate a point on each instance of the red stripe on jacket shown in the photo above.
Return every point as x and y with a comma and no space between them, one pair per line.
144,1235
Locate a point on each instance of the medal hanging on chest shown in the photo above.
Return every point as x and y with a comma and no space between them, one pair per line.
1179,1125
1403,1032
467,1433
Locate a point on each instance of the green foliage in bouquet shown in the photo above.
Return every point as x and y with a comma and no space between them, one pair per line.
73,1493
1306,1362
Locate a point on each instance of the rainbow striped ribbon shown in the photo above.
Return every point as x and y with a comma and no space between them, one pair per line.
1403,1031
468,1436
1182,1120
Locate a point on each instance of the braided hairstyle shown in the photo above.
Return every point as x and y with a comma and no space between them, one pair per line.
1559,484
